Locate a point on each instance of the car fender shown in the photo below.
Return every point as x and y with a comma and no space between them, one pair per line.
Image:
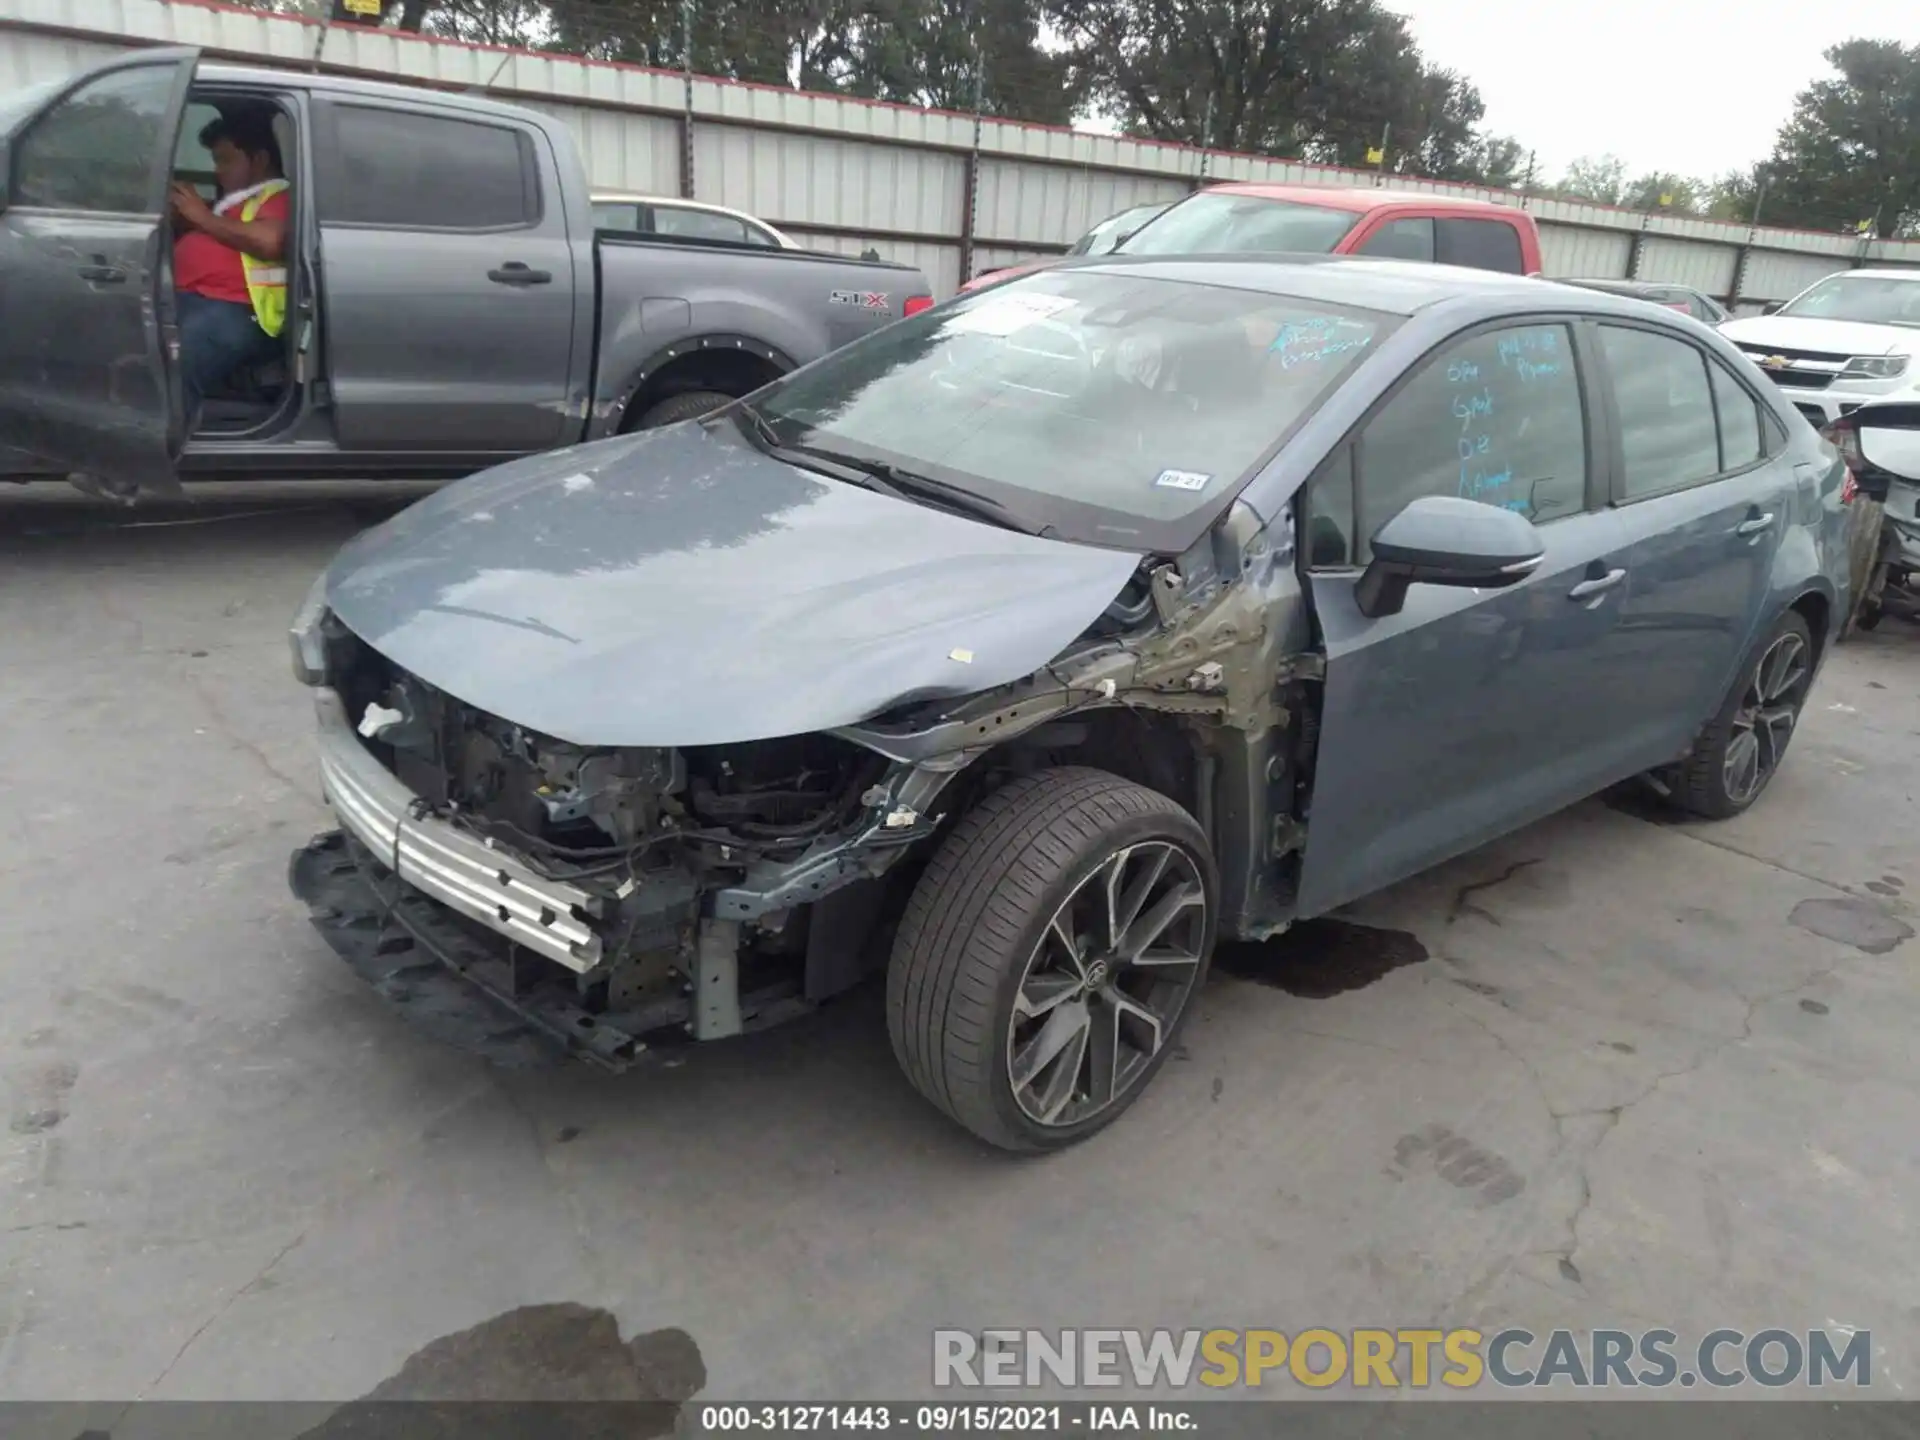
611,412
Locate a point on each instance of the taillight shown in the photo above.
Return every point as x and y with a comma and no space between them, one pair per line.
1844,436
916,303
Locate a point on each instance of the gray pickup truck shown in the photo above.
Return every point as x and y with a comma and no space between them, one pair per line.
450,305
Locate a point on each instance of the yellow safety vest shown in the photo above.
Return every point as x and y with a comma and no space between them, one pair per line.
266,281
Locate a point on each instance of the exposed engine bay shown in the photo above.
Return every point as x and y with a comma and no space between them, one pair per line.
727,887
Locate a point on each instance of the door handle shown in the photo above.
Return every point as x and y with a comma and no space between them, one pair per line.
1597,586
516,272
103,274
1754,526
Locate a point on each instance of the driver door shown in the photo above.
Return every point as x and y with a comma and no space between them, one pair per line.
1472,711
87,382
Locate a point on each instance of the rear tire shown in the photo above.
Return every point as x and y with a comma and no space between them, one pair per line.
1738,754
687,405
1011,1002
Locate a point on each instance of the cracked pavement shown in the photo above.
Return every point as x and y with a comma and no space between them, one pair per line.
1624,1087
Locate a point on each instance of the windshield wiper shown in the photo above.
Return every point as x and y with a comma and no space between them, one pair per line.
889,479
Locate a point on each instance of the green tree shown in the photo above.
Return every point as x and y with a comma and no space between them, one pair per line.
1681,196
1599,178
1319,79
1851,151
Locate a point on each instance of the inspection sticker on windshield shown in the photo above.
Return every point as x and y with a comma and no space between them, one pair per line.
1183,480
1004,314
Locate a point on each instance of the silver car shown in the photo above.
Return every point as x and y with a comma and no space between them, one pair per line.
1032,645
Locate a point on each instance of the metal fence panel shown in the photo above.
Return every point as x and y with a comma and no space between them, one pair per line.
27,59
796,180
939,263
1051,205
1778,275
1584,254
622,151
1704,266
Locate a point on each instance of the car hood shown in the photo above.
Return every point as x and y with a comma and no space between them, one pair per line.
1836,337
681,587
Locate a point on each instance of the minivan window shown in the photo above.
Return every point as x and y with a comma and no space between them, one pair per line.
407,169
1101,402
1668,439
96,150
1496,417
1219,223
1480,244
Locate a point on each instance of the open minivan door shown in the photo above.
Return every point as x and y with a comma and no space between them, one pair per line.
88,379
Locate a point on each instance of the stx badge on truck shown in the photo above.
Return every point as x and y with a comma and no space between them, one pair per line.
865,299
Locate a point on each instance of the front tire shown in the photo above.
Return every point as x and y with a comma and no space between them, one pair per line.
687,405
1738,754
1049,954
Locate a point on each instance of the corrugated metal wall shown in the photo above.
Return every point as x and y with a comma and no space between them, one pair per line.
849,175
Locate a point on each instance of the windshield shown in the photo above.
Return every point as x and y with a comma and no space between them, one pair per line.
1100,239
1875,299
1104,405
20,104
1216,223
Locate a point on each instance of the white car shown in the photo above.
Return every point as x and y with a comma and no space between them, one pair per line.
1849,340
691,219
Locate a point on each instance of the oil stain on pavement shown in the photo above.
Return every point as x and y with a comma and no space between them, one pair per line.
1859,923
552,1371
1318,959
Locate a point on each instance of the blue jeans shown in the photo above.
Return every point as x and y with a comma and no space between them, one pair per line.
217,337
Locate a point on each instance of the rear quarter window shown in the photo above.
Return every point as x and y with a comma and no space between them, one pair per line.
1479,245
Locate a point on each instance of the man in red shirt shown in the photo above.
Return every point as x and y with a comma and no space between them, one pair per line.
229,257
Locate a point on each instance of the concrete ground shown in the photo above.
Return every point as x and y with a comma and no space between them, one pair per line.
1609,1071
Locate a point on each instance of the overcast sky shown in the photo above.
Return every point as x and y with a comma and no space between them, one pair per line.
1697,86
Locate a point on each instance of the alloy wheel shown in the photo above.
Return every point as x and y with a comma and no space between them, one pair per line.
1764,723
1108,980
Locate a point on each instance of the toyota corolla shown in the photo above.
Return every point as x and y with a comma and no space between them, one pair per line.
1030,646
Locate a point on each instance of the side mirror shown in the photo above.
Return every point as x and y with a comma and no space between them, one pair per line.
1772,307
1444,540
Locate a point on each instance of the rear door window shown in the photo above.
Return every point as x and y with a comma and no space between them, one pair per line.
1480,244
405,169
1739,416
1408,238
1668,438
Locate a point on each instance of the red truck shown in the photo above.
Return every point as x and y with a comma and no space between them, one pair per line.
1331,220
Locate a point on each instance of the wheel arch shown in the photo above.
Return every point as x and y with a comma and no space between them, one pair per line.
725,361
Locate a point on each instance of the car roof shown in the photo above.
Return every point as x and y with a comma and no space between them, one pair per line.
1357,198
1397,287
1880,274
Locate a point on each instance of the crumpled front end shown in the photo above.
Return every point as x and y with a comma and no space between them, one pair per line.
612,897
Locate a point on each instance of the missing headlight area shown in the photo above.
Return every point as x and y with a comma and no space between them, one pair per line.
622,898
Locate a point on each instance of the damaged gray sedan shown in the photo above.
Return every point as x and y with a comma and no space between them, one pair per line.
1031,646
